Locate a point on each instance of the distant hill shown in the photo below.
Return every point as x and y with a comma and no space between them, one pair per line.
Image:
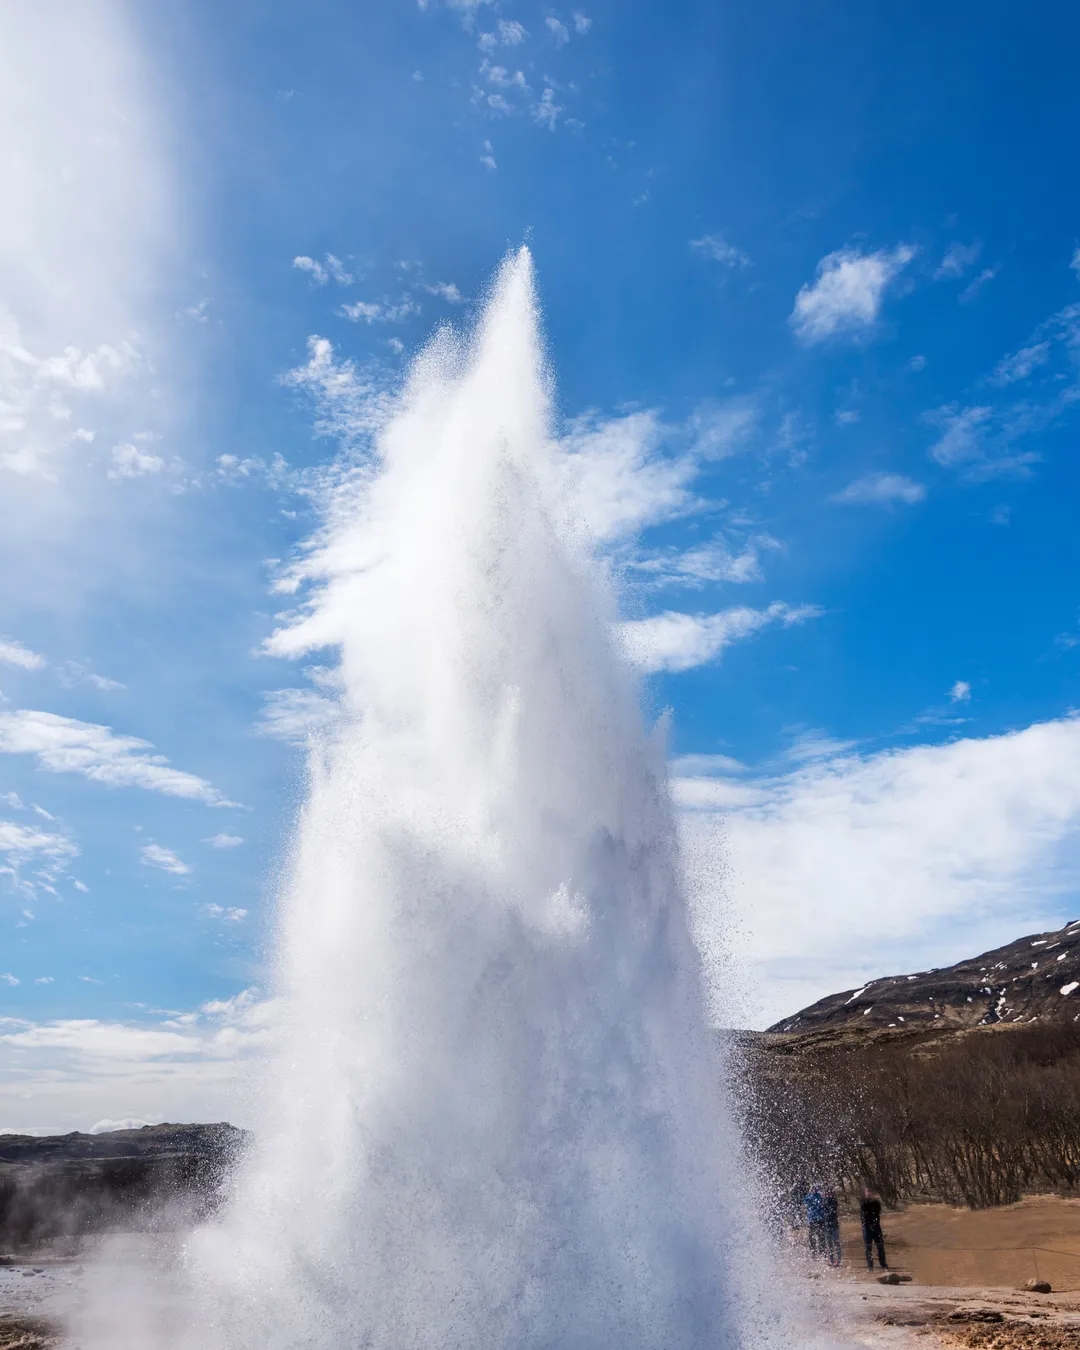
71,1184
1034,978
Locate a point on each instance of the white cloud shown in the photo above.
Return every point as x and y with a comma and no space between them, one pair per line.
45,979
487,159
321,272
350,404
880,489
68,1074
71,672
314,269
128,461
50,853
675,642
8,978
156,855
1019,365
971,290
381,311
958,258
707,563
960,692
847,295
1075,262
295,715
558,30
717,249
227,913
860,866
546,112
446,290
618,477
508,33
582,22
979,439
224,840
338,271
64,745
13,653
961,440
722,429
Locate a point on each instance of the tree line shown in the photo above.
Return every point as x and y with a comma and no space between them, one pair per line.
978,1118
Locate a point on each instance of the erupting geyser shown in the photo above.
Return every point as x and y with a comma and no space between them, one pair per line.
492,1119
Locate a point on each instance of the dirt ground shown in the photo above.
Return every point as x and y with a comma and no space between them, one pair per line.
1039,1238
967,1270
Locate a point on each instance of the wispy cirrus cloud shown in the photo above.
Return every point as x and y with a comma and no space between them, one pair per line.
717,249
846,296
880,489
958,258
157,855
13,653
22,845
296,715
224,840
705,564
65,745
674,641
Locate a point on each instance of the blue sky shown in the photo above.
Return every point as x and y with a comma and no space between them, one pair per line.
811,284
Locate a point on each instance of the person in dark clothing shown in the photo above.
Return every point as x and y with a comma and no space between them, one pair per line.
833,1250
815,1219
870,1213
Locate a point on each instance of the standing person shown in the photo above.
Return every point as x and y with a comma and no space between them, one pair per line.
833,1250
815,1219
870,1213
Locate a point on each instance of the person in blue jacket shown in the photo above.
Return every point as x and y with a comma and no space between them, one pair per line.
816,1221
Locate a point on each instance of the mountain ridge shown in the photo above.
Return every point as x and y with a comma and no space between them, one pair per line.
1036,977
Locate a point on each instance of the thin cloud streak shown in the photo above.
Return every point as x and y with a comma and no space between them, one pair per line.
65,745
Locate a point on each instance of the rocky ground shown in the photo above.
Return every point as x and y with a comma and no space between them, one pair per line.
937,1316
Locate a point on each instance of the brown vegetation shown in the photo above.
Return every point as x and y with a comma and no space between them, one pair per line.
976,1118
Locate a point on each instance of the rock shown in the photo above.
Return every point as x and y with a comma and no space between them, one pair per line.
1039,1286
890,1278
976,1315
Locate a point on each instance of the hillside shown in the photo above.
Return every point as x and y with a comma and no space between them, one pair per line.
83,1183
1035,977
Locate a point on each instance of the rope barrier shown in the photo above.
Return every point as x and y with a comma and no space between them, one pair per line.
931,1247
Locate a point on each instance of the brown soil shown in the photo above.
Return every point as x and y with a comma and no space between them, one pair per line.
1003,1247
26,1333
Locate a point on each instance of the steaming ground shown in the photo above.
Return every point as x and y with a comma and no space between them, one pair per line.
493,1112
